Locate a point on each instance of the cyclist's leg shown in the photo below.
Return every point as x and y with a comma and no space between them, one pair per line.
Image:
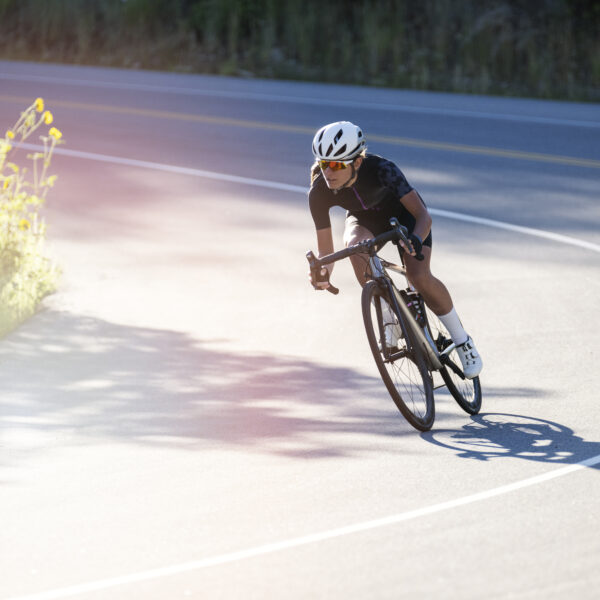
434,292
438,298
354,233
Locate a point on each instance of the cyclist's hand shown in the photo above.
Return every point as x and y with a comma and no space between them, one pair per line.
322,280
417,246
416,243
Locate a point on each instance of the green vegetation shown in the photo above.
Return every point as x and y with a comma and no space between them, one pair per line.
545,48
26,275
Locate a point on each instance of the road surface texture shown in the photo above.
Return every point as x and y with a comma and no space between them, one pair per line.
186,417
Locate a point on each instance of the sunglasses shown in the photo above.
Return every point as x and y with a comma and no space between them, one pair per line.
334,165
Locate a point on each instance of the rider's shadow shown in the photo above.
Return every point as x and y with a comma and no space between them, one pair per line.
496,435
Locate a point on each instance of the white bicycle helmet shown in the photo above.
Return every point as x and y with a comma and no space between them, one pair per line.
341,140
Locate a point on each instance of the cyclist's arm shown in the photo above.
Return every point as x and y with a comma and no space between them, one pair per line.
391,176
325,246
319,208
415,206
325,241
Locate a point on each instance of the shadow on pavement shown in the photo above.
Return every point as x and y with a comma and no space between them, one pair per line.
68,379
499,435
71,377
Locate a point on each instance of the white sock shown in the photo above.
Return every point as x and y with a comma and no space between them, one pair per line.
454,326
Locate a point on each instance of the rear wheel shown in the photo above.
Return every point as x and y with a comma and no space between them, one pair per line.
466,392
403,367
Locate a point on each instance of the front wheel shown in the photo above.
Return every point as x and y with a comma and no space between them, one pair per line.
466,392
402,366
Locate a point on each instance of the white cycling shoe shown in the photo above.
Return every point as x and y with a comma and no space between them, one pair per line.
470,359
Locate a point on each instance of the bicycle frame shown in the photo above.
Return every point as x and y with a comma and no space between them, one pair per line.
427,355
378,266
421,335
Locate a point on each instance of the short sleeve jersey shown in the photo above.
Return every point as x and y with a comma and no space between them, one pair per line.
373,199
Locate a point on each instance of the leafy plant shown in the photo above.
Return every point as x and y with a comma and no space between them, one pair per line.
26,274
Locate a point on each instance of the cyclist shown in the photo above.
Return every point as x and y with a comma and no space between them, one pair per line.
372,189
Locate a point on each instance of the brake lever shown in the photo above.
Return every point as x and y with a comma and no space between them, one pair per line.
411,248
405,239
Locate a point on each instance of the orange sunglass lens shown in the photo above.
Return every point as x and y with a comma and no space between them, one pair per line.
332,164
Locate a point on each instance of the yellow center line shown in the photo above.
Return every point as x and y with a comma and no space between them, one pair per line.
265,125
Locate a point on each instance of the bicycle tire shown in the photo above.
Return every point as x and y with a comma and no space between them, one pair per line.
406,377
466,392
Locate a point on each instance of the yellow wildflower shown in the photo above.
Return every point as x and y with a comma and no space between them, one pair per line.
55,133
39,104
48,118
6,183
24,225
10,134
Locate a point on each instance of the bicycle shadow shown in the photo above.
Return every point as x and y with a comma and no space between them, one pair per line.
500,435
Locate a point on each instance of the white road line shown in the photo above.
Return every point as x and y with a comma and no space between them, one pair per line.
555,237
301,100
131,162
222,559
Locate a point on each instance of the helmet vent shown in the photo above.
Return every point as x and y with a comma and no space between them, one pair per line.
341,140
355,151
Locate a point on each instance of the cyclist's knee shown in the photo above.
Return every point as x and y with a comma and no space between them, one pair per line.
419,275
355,233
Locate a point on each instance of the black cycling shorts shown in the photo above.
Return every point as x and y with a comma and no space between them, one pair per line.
377,226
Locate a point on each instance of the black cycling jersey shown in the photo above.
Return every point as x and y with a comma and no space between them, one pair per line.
373,199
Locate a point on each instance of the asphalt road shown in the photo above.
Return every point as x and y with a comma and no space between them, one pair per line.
186,417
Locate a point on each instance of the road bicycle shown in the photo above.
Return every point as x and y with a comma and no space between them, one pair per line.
408,341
